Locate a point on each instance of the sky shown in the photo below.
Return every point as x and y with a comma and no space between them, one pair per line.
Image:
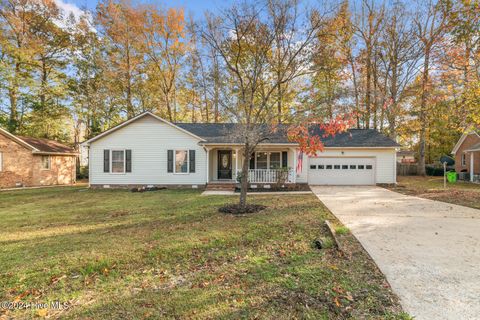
196,7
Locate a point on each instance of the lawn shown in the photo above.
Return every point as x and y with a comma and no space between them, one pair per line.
461,193
113,254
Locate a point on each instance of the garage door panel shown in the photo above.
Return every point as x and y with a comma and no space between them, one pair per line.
341,171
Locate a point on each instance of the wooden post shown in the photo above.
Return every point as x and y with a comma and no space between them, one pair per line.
445,175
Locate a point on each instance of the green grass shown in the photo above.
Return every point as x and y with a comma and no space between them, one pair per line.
113,254
461,193
341,230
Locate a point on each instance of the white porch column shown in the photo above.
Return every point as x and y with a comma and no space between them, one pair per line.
208,165
472,171
294,164
236,164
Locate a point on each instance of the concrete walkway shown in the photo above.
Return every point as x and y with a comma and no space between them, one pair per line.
428,250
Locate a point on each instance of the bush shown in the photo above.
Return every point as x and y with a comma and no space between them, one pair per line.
434,171
82,173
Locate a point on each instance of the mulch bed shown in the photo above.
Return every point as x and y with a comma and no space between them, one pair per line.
275,188
235,208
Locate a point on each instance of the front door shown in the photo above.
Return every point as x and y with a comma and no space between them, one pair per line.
224,164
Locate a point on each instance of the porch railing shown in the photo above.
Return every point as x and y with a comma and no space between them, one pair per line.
271,175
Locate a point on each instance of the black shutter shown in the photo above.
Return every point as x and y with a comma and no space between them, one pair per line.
169,160
284,159
106,160
191,158
128,160
252,161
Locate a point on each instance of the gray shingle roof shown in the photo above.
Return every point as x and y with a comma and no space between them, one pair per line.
221,133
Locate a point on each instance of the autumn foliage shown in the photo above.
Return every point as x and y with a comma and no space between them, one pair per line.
311,143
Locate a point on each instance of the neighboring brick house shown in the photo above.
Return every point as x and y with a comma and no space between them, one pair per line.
27,162
467,154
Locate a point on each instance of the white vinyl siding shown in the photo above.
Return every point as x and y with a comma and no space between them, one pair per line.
385,162
149,139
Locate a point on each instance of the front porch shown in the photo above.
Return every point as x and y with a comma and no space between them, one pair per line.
473,166
268,165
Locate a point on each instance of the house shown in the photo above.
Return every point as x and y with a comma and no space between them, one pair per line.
467,155
27,162
406,156
148,151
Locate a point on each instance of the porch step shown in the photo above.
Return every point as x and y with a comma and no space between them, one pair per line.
221,186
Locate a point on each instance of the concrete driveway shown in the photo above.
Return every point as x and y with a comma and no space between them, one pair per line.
428,250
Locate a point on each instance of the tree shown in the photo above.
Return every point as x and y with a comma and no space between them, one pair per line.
122,25
17,49
368,28
430,23
164,35
244,39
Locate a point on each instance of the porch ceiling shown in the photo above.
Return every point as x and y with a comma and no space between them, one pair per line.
474,148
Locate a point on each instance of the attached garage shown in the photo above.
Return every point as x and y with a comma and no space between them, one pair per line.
341,171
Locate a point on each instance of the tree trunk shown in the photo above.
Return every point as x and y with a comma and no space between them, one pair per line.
169,108
368,87
422,115
13,93
279,98
355,88
244,177
130,111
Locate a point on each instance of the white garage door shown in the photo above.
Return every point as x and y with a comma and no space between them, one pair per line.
341,171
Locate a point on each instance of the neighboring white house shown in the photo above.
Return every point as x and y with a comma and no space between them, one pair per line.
148,150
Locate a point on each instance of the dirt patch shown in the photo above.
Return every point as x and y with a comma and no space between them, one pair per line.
236,209
463,197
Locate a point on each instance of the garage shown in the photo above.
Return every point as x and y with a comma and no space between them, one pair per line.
341,171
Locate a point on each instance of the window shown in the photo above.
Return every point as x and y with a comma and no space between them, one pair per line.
352,166
337,166
329,166
464,159
46,162
1,162
344,166
369,167
262,160
118,161
313,166
321,166
275,160
181,161
361,167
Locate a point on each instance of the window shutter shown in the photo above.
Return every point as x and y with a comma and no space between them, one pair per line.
191,157
128,160
106,160
284,159
169,160
252,161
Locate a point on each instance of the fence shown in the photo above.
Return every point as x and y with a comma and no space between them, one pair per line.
407,169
